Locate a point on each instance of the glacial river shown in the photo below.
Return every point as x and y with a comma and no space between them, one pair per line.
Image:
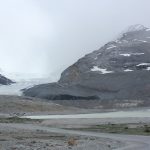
118,114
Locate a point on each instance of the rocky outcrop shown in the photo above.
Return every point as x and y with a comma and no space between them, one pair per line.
4,80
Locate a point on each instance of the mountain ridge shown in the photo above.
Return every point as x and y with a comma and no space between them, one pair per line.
118,70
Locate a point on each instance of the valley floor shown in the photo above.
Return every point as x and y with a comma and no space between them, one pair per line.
36,137
77,133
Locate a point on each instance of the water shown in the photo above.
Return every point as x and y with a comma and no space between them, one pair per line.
118,114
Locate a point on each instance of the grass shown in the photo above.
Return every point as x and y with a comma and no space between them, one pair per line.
17,120
133,129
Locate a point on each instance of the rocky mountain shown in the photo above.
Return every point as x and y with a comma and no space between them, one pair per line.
4,80
118,70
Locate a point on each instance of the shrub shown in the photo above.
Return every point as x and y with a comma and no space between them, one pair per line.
147,129
72,142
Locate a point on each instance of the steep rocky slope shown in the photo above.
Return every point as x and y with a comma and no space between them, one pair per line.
118,70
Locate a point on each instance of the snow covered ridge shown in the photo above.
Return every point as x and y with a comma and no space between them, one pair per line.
132,28
103,71
137,27
126,38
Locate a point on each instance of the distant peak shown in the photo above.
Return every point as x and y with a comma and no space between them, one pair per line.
132,28
137,27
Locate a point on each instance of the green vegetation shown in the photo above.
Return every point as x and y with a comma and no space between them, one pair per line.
17,120
134,129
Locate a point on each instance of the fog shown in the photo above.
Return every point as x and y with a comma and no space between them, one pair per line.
43,37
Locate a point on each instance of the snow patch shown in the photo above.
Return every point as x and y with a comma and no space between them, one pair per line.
118,41
122,41
143,64
140,40
95,58
128,70
148,68
126,55
137,53
147,29
112,46
103,71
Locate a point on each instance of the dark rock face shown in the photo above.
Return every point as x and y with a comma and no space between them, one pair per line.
118,70
5,81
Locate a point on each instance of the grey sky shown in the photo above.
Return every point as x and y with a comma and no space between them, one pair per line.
46,36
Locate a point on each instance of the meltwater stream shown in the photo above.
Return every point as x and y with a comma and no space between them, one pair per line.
118,114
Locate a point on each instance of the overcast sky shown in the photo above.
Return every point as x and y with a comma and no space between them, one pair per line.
46,36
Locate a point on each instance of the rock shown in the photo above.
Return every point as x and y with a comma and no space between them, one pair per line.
5,81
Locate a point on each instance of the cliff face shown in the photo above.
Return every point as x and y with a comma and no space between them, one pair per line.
118,70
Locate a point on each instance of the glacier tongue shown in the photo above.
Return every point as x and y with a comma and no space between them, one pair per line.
16,88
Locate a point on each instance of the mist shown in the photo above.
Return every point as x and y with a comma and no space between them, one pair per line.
43,37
